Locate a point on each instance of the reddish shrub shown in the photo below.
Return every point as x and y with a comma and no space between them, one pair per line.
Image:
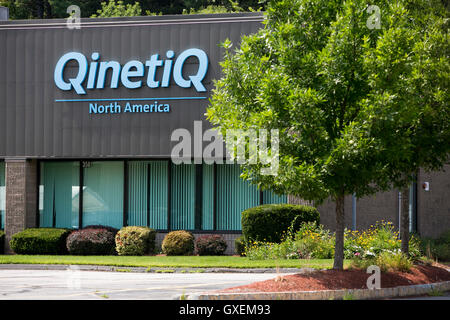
91,241
210,245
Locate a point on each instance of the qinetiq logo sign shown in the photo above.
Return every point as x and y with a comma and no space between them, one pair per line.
131,74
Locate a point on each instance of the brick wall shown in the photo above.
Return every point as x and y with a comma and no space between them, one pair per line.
369,210
21,197
433,206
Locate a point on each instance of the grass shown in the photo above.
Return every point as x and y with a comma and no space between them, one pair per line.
435,293
348,296
168,261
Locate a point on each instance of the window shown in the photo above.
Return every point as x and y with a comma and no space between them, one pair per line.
182,206
269,197
153,193
234,195
59,194
2,195
103,194
148,193
208,197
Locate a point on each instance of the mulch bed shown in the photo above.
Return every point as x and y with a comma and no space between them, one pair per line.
345,279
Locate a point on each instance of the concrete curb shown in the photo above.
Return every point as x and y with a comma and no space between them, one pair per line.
356,294
151,269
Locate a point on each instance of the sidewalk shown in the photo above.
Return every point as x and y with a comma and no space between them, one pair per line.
153,269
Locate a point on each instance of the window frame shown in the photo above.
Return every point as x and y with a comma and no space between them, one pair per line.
198,212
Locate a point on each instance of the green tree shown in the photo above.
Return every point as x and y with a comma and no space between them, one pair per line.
206,10
210,9
39,9
28,9
423,128
118,9
87,7
359,96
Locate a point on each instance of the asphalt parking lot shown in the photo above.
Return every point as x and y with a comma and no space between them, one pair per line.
72,284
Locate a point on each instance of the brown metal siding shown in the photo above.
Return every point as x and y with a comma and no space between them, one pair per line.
33,125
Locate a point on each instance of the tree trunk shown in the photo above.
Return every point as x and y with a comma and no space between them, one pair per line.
339,244
404,222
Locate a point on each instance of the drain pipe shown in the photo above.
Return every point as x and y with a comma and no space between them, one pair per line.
353,212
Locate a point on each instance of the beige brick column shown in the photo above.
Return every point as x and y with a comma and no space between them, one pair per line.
21,197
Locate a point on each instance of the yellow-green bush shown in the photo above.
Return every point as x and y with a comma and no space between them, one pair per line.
377,245
135,241
177,243
386,261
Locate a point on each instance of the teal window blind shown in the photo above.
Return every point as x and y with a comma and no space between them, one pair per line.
270,197
2,195
182,215
59,194
208,197
213,203
148,193
103,194
234,195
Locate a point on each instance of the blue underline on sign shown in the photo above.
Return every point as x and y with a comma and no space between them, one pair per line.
131,99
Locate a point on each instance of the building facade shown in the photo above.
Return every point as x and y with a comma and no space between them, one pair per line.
87,116
429,206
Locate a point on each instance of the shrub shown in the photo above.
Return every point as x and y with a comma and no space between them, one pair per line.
210,245
110,229
445,237
239,245
415,252
40,241
393,261
386,261
378,238
178,243
268,250
91,241
2,242
135,241
442,252
437,249
269,222
313,241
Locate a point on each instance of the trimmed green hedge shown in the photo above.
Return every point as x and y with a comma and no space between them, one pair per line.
135,241
2,242
270,221
40,241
